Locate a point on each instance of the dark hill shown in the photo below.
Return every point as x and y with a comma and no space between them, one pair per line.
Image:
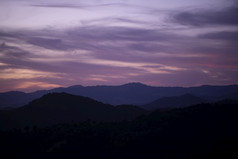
62,108
202,131
175,102
199,131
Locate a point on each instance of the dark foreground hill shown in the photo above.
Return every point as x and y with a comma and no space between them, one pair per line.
175,102
56,108
131,93
202,131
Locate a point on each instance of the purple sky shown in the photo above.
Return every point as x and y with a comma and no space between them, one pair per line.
52,43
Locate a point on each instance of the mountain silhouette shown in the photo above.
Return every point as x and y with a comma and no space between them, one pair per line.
62,107
207,130
175,102
131,93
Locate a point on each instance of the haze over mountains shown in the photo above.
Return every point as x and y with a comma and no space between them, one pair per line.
131,93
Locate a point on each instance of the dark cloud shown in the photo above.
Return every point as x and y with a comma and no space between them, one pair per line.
226,16
75,6
16,57
231,36
147,47
11,51
225,44
4,34
120,34
4,47
58,6
55,44
112,20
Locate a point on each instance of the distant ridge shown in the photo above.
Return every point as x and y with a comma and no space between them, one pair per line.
175,102
131,93
136,84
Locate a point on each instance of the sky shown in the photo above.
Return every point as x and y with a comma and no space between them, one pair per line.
51,43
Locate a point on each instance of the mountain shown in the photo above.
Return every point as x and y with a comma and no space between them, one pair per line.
56,108
201,131
175,102
131,93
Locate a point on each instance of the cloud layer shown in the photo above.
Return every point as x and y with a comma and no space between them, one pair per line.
185,48
224,16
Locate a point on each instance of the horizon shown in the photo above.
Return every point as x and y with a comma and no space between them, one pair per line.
116,86
51,44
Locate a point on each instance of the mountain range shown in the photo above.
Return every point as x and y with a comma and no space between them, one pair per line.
187,123
131,93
